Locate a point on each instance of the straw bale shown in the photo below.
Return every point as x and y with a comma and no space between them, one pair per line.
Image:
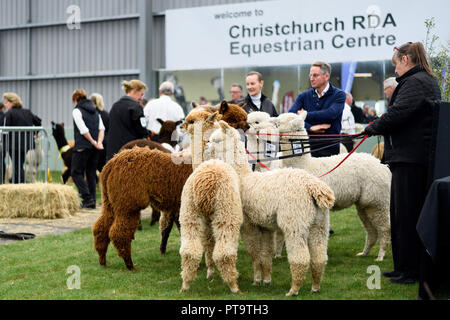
38,200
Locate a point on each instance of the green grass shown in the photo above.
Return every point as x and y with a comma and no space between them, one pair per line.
37,269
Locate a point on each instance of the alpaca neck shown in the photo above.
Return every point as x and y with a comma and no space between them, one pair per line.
197,147
240,159
300,161
61,141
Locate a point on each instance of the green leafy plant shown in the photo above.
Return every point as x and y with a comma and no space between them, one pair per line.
439,59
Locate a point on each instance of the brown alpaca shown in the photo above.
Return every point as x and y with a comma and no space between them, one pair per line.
135,178
211,218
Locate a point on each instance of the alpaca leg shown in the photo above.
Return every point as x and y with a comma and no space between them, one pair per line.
251,238
225,250
122,233
155,216
381,220
208,243
100,231
318,245
298,257
267,253
191,250
66,175
371,231
278,243
165,227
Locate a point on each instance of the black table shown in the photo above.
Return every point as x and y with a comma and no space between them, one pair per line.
433,228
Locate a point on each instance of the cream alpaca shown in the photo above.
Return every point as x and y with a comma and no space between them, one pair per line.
361,180
210,220
290,200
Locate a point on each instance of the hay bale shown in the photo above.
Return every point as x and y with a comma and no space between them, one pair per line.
38,200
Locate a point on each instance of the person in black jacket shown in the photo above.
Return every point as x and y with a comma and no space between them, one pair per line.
18,143
87,126
97,100
126,118
255,100
2,152
2,114
407,127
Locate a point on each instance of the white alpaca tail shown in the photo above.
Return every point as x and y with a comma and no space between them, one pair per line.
321,193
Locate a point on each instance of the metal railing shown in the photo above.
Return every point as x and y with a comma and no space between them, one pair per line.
23,155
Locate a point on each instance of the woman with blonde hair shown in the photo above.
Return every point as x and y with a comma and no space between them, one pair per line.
127,119
407,129
97,100
18,143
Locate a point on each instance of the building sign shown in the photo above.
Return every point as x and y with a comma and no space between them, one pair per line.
294,32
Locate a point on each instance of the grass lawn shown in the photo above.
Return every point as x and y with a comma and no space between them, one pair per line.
37,269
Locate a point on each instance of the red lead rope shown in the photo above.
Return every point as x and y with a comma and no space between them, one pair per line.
264,166
365,137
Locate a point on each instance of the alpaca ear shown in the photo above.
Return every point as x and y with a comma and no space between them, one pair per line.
303,115
52,122
160,121
213,118
178,122
224,126
241,104
62,124
223,107
194,105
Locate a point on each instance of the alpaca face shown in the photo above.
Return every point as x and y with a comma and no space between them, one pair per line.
291,122
234,115
224,144
259,120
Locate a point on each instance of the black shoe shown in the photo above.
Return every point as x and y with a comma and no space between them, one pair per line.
392,274
88,205
404,279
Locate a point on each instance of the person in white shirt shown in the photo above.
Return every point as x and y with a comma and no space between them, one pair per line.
348,121
163,108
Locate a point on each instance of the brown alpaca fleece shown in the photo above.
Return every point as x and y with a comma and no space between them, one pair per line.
132,180
144,143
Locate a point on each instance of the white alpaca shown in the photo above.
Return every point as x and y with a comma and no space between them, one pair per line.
33,159
210,221
360,180
290,200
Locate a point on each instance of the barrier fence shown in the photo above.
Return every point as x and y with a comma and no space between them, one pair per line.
23,155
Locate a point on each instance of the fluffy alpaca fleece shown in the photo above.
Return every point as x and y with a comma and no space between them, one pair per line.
210,219
135,178
290,200
360,180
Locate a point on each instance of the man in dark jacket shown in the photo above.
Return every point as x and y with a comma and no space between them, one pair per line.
407,127
324,104
126,119
2,113
255,100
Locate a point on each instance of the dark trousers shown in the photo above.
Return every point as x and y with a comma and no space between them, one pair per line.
323,148
84,162
18,159
408,193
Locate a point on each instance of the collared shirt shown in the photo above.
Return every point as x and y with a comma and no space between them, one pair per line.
324,91
163,108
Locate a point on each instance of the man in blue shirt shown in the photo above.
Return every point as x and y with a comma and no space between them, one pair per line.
324,104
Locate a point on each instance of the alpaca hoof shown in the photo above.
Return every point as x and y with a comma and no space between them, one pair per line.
361,254
210,274
278,256
256,282
184,288
379,259
267,282
236,290
315,290
292,293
